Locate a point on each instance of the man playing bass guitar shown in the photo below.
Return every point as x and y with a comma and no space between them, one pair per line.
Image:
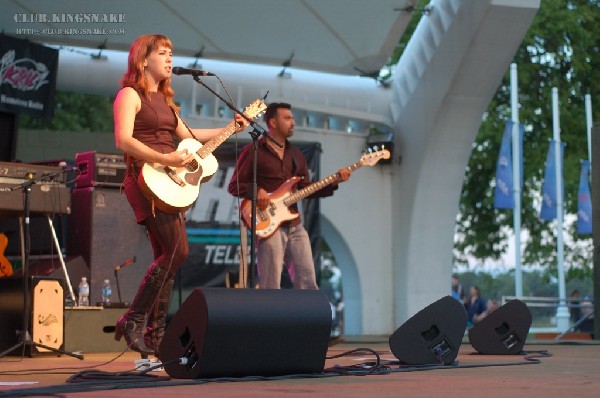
290,243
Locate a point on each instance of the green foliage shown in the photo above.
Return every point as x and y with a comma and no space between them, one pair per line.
560,50
75,112
535,284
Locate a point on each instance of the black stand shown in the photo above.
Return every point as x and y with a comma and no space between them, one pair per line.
24,335
118,287
117,268
253,189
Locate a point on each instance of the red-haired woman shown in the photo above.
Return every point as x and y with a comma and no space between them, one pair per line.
147,129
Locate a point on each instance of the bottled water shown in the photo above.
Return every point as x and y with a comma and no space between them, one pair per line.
106,291
84,293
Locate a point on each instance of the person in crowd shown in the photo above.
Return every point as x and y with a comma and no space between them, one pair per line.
475,305
575,307
492,305
457,289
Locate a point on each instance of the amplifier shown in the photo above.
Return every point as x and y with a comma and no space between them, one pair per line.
100,170
20,172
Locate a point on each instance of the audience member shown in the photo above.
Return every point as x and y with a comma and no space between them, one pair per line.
492,305
475,305
457,289
574,306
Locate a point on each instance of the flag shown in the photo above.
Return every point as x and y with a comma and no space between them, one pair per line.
548,211
503,195
521,129
584,203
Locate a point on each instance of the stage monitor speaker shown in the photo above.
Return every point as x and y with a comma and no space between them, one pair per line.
8,139
433,335
46,325
503,331
247,332
102,230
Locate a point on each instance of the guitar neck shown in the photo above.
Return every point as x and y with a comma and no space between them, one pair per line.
214,142
314,187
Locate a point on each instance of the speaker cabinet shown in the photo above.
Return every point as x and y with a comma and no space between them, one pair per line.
433,335
8,139
46,310
247,332
503,331
102,229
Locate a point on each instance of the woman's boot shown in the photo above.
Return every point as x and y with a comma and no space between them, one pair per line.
157,318
133,323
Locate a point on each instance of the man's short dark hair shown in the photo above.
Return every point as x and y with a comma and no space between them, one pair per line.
272,109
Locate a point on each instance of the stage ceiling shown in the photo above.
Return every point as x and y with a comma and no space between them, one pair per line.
353,37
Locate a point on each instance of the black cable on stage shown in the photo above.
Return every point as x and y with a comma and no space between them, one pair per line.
530,358
87,381
53,370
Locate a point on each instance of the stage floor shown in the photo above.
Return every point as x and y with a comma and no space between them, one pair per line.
573,369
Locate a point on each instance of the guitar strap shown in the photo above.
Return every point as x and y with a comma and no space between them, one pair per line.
185,124
294,163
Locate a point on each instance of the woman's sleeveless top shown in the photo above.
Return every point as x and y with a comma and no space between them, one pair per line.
155,123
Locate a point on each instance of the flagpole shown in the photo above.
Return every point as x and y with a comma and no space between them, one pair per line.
588,120
516,162
562,312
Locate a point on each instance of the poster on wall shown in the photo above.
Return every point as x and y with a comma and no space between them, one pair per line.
214,230
27,77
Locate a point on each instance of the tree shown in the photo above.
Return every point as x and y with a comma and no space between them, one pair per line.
560,50
75,112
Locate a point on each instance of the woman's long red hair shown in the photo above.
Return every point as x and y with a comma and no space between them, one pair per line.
135,77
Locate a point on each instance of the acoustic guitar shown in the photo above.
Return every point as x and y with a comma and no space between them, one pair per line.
174,189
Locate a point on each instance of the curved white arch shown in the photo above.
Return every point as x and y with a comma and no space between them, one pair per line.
350,277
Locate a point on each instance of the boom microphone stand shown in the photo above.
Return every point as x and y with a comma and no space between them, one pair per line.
24,334
255,134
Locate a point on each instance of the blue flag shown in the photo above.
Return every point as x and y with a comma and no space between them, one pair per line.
503,195
584,203
548,211
521,129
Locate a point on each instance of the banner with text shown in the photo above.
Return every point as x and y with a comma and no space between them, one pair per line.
503,193
584,201
549,208
27,77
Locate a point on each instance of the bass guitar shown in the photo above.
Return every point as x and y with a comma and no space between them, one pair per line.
174,189
280,200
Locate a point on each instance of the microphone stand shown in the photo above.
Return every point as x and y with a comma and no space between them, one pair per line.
118,287
24,335
117,268
256,132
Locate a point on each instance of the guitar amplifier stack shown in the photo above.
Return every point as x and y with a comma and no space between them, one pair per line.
101,170
102,227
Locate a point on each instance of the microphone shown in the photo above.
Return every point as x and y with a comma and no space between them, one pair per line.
126,263
178,70
62,165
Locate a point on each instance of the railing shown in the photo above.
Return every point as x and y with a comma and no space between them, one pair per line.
543,312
